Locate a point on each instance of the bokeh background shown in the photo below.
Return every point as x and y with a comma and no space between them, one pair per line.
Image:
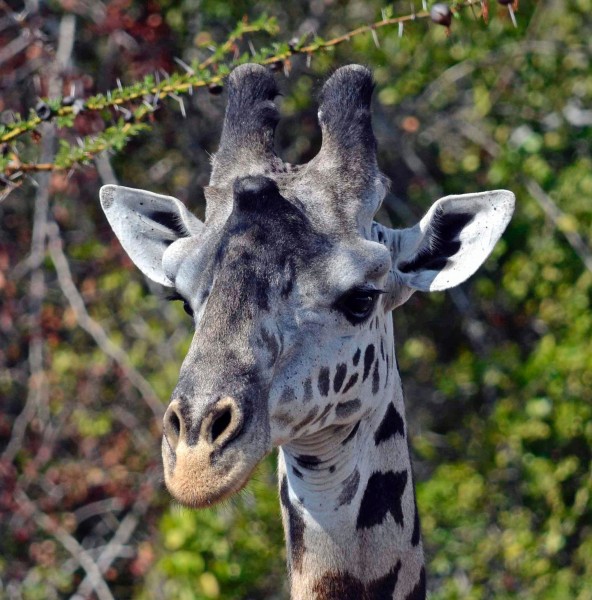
497,373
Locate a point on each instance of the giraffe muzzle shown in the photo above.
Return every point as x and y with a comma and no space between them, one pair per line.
202,465
219,426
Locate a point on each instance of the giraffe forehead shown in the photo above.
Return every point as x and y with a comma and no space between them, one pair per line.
260,248
275,241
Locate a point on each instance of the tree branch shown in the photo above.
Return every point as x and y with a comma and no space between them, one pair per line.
80,555
113,549
195,76
93,328
37,396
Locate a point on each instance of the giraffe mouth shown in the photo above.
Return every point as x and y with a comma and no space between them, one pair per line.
196,481
199,476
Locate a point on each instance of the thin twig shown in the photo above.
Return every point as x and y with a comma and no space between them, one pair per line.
113,549
559,218
228,45
98,507
80,555
16,46
92,327
105,170
82,154
38,389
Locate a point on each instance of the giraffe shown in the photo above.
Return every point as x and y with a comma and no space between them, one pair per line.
290,285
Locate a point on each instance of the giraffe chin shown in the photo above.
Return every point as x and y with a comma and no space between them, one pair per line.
198,477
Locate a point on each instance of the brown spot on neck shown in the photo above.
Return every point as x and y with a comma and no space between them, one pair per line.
339,585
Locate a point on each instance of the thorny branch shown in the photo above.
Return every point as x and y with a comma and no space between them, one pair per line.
137,102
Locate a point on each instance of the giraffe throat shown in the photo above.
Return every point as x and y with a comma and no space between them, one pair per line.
348,501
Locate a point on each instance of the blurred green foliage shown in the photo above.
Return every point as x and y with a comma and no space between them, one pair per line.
236,551
498,374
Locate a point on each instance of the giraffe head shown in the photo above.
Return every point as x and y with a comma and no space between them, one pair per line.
288,282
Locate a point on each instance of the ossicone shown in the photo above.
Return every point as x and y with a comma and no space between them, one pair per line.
246,145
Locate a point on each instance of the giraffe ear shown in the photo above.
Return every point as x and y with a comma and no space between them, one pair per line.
146,224
450,243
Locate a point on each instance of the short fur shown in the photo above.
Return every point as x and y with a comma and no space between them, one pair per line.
280,355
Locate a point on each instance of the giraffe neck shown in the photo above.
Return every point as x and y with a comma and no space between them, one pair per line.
349,511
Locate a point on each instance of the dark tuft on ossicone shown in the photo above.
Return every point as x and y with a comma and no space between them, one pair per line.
255,193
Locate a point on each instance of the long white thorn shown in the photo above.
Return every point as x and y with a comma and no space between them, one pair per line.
181,104
375,38
126,113
512,15
184,65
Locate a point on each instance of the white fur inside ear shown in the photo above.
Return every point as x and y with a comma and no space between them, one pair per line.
453,239
146,224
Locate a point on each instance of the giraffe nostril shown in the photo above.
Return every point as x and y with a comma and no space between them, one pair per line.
224,422
175,423
220,424
172,426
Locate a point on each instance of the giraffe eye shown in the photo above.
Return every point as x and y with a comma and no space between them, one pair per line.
357,304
